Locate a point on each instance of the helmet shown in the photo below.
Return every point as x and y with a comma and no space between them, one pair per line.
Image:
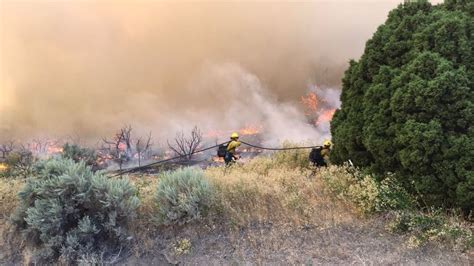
234,135
327,143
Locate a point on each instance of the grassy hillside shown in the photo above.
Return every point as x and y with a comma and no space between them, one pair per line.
273,209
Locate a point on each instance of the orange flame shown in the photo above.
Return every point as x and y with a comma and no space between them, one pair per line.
217,159
314,110
310,102
245,131
54,149
3,167
214,133
250,130
122,146
325,116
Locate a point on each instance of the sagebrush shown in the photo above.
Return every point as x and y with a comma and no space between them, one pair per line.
78,153
182,196
67,212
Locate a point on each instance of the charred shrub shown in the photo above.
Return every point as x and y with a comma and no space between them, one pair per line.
67,212
182,196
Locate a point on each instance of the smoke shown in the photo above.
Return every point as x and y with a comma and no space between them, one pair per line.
87,68
240,99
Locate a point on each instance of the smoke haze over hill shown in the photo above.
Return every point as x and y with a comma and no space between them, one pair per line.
87,68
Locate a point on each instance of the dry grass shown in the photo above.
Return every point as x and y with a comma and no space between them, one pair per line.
144,227
264,190
9,244
9,189
269,210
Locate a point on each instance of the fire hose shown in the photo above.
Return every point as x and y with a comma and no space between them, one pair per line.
134,169
279,149
138,168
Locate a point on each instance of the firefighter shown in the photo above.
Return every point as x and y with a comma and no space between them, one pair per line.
326,151
230,155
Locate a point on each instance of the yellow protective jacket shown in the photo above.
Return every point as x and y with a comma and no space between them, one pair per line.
233,144
325,154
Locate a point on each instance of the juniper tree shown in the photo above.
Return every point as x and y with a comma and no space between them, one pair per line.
408,103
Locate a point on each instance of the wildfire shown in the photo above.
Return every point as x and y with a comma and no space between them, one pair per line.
310,101
325,116
54,150
250,130
3,167
122,146
245,131
214,133
317,109
217,159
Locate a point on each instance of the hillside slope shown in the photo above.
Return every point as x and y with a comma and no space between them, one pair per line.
270,210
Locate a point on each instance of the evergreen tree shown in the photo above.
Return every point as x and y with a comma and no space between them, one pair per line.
408,103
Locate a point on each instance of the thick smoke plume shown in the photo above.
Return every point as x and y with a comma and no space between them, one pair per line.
88,68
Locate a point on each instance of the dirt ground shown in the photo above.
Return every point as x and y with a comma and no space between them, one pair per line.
267,244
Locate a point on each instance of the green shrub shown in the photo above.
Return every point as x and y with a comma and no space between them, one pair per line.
368,194
387,196
407,104
69,212
433,225
182,196
20,163
77,153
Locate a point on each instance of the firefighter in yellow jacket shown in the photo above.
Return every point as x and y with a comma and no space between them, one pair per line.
230,155
326,151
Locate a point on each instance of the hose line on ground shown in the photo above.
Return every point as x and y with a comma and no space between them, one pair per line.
134,169
279,149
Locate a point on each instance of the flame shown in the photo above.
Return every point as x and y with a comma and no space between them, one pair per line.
214,134
46,147
250,130
122,146
316,110
3,167
245,131
310,102
325,116
217,159
54,150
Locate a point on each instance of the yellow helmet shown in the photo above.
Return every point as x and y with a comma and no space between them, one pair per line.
234,135
327,143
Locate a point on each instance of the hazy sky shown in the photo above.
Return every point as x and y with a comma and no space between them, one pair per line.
87,67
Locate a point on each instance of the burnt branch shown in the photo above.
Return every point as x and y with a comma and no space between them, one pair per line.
186,146
143,148
119,148
7,148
